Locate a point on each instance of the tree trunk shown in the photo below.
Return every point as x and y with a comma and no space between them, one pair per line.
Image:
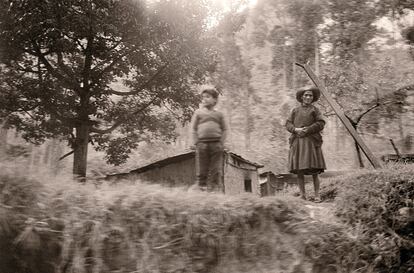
30,166
81,152
284,69
57,151
3,139
229,114
294,69
401,128
47,155
248,117
317,64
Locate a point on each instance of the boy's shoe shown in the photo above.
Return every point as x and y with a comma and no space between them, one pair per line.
317,199
197,187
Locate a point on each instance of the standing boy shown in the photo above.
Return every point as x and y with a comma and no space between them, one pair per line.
209,134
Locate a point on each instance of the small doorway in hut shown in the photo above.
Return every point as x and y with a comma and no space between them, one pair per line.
247,185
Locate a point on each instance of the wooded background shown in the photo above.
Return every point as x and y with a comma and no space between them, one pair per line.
362,50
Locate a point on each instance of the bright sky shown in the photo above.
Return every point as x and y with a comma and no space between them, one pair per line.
228,5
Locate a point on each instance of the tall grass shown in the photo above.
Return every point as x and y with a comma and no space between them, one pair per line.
380,205
57,225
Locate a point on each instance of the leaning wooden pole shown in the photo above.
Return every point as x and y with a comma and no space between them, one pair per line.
372,159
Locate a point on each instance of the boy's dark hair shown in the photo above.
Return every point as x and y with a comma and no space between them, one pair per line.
211,91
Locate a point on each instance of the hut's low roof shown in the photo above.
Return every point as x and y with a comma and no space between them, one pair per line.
164,162
239,157
178,158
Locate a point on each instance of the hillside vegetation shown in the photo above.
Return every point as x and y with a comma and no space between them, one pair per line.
55,225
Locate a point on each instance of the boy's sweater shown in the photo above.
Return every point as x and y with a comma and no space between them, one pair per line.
208,125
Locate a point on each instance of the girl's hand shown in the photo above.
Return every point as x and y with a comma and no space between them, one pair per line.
299,130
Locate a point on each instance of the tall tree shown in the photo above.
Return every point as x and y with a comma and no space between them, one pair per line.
350,26
295,37
100,71
399,6
306,16
231,76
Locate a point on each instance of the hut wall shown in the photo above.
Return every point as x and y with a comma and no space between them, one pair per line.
263,189
269,184
234,180
255,182
276,184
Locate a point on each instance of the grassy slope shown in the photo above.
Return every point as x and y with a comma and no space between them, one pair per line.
379,205
56,224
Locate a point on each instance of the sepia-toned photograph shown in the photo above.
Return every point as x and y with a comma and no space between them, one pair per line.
206,136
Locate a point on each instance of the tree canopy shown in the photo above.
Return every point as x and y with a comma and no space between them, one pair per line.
117,73
101,71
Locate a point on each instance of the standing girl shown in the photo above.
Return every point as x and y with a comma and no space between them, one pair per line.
305,123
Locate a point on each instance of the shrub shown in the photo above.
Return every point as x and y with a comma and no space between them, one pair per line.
380,205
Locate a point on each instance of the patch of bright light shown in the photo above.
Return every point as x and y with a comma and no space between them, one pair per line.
249,4
227,6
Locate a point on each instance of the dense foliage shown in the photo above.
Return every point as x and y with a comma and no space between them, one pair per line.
101,71
380,204
364,63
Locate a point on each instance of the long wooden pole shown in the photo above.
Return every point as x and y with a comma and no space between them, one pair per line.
372,159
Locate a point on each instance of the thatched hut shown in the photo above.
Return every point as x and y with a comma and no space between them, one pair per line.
240,175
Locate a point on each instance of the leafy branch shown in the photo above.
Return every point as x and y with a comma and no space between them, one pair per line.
118,122
143,86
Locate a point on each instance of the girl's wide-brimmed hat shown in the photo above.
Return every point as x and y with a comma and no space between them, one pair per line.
316,93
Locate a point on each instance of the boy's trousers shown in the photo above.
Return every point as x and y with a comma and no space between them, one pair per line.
209,165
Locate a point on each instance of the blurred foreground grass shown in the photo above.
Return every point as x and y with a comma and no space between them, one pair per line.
50,224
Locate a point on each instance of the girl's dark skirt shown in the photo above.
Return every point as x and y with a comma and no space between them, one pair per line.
305,157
